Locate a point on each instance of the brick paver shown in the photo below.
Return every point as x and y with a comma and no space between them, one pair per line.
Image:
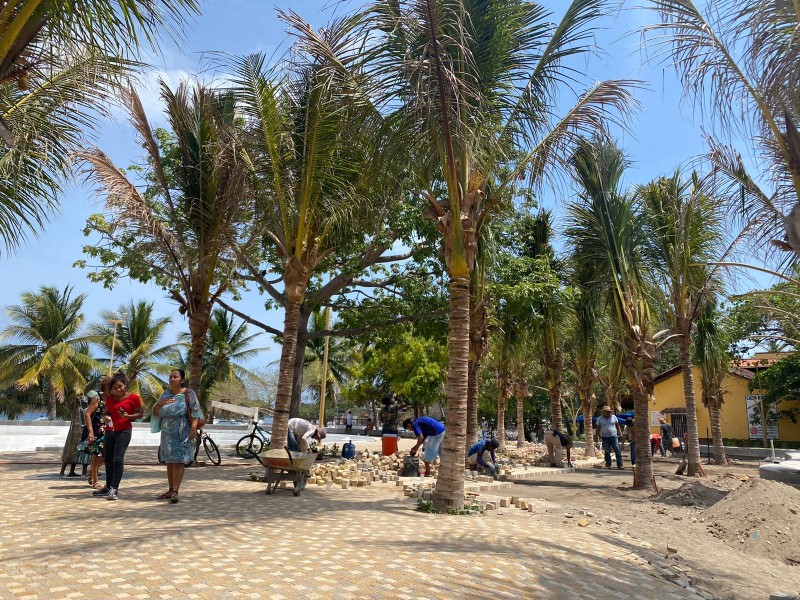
226,538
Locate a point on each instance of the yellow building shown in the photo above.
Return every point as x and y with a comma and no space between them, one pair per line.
739,405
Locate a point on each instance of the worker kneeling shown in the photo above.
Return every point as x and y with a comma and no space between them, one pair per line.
481,455
556,442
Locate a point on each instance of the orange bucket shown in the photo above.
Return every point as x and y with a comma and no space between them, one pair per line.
389,443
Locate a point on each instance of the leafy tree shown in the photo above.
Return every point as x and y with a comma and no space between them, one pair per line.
781,381
46,349
180,232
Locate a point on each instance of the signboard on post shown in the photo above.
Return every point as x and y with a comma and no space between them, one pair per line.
754,425
655,416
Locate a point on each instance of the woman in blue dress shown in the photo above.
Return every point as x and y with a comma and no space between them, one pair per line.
179,412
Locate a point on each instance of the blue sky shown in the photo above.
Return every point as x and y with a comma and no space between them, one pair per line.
664,135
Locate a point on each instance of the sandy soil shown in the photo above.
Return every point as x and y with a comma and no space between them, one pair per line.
737,534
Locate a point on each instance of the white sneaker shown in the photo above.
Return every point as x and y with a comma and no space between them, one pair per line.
112,495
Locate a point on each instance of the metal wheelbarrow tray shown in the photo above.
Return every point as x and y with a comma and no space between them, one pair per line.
287,465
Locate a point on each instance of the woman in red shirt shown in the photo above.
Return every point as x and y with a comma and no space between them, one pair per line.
122,408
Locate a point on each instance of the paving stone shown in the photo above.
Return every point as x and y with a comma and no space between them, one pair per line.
226,538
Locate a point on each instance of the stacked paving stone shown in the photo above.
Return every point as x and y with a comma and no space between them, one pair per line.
368,467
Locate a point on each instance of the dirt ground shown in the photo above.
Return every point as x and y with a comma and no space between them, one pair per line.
735,533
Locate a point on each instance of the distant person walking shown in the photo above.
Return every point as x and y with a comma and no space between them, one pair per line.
609,432
348,422
429,431
667,436
180,414
123,408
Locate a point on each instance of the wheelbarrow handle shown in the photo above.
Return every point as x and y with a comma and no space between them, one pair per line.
289,452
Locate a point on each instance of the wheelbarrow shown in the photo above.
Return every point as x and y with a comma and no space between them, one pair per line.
287,465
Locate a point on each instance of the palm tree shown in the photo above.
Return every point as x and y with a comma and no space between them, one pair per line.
711,358
684,230
311,151
739,59
476,84
554,308
49,352
59,63
182,229
606,232
137,349
585,349
341,358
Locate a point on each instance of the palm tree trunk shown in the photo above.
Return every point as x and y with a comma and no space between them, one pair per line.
643,471
283,395
299,362
520,418
198,328
450,484
472,403
588,430
716,435
52,403
693,442
554,389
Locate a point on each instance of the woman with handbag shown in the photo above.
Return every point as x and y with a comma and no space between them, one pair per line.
178,416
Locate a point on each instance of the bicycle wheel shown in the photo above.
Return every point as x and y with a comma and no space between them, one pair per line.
249,446
196,449
211,450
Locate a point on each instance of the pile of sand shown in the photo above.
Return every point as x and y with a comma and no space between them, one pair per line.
759,517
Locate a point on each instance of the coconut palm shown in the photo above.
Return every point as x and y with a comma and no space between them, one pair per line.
606,232
739,61
476,84
59,60
684,229
311,151
137,347
710,356
182,229
46,348
586,343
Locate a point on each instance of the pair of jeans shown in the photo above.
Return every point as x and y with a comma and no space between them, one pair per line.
291,441
116,444
609,444
633,453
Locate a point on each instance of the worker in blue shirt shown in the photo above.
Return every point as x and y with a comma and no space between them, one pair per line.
429,431
481,454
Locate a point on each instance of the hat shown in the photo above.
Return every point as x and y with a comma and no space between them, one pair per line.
606,409
321,433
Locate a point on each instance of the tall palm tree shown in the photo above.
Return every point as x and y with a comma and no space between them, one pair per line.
59,62
585,348
684,229
739,60
311,151
476,83
606,231
711,358
182,229
47,349
137,347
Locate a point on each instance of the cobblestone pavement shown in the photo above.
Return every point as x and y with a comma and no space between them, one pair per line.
227,539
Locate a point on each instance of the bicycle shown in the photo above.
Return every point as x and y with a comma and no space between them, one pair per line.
253,443
209,446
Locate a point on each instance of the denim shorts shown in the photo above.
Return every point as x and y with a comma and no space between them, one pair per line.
432,446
